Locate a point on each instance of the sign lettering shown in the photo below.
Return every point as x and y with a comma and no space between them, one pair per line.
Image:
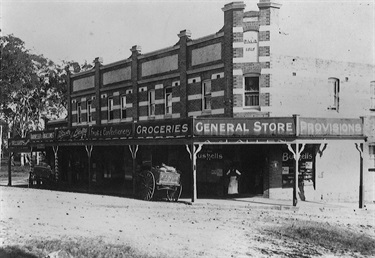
244,127
330,126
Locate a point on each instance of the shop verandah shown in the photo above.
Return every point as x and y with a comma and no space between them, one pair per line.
202,149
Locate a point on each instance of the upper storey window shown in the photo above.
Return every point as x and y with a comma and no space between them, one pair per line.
151,103
79,112
334,89
89,111
123,107
110,109
251,91
168,100
372,95
206,95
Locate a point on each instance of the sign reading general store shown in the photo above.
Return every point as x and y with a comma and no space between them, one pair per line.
245,127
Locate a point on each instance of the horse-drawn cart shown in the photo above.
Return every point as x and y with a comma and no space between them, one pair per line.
163,178
42,174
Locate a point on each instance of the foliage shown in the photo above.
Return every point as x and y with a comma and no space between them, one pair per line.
32,87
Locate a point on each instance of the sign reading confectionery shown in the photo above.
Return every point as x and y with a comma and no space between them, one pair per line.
245,127
330,127
111,131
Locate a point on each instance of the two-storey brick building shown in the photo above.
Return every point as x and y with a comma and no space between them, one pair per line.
228,98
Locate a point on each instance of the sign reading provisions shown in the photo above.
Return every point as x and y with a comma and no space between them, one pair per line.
330,127
282,126
165,128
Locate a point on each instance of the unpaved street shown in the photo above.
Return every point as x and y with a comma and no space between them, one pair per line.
204,229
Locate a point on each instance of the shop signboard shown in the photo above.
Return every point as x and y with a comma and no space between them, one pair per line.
330,127
163,129
36,136
245,127
19,145
72,134
48,136
111,131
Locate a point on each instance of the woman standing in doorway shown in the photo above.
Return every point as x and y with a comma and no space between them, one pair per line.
233,174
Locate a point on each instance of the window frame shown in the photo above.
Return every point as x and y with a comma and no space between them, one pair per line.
110,109
372,95
168,100
252,93
371,155
151,103
79,112
335,82
206,95
123,106
89,109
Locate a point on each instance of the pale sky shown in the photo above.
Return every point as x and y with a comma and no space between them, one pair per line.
82,30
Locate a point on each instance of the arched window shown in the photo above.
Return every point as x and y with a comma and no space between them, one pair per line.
251,90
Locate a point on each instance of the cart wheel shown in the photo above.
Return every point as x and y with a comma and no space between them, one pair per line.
174,195
147,186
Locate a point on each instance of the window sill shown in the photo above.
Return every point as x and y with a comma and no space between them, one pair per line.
252,108
206,112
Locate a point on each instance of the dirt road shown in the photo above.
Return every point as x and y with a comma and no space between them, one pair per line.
169,229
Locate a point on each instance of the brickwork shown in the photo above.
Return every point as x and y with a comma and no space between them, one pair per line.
251,26
237,100
195,105
264,16
264,51
264,36
238,52
237,37
238,82
264,80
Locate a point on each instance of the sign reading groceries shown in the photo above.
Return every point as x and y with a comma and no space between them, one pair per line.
245,127
330,127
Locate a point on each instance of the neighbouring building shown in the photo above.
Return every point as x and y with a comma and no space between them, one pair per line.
231,97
